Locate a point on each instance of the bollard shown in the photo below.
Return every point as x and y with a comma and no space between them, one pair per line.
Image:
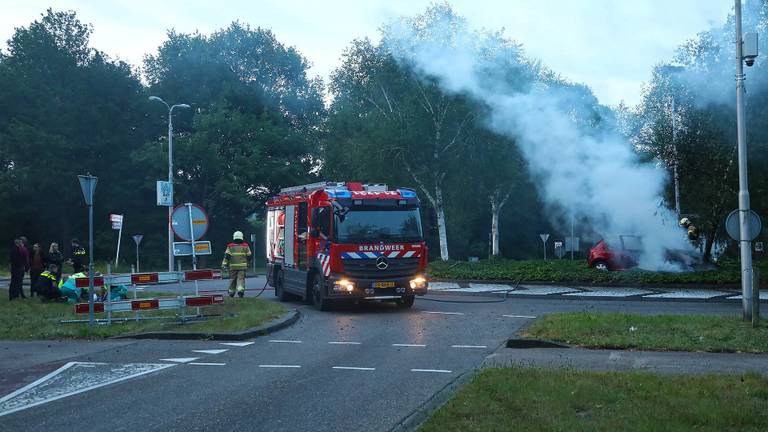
756,298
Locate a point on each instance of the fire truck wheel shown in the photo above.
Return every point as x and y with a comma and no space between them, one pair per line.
406,302
279,287
318,297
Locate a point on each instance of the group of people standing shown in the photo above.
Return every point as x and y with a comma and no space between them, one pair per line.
44,268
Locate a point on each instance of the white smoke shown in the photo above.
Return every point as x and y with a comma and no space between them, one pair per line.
579,167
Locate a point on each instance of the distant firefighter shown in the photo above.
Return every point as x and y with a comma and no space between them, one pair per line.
693,232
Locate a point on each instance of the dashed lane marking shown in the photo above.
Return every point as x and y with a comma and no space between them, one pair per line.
237,344
468,346
431,370
689,294
609,292
279,366
284,341
444,313
534,290
214,351
207,364
180,360
343,343
520,316
354,368
409,345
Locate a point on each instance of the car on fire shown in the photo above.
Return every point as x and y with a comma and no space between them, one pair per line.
617,255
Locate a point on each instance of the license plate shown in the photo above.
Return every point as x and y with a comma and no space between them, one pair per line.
383,284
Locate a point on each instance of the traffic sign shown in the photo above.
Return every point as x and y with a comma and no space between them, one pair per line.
165,193
117,221
137,238
559,250
181,218
732,225
185,248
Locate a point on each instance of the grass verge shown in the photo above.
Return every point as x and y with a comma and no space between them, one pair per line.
31,319
657,332
521,399
567,271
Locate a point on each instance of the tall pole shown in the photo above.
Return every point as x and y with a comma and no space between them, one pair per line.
90,263
170,181
741,128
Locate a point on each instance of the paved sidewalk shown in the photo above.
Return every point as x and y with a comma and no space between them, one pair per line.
616,360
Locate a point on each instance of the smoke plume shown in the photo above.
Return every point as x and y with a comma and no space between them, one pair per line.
580,164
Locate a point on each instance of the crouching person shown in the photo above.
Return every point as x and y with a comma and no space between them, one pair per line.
47,285
69,288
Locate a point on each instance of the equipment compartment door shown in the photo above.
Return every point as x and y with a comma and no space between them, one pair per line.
290,234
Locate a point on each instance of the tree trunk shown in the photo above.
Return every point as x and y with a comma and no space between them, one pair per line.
440,209
709,242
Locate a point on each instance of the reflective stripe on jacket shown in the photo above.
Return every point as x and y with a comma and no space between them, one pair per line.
236,256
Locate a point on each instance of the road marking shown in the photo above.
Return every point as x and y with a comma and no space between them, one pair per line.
541,290
608,292
354,368
279,366
444,313
431,370
284,341
438,286
520,316
207,364
343,343
216,351
180,360
468,346
35,393
686,294
409,345
237,344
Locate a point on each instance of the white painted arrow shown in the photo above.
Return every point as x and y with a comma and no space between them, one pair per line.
216,351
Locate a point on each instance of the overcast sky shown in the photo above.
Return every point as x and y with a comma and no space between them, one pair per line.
611,45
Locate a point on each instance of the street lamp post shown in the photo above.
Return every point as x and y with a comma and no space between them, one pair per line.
170,171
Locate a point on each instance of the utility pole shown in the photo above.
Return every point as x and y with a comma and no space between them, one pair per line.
741,128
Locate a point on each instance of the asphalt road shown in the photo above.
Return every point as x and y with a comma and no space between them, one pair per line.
357,368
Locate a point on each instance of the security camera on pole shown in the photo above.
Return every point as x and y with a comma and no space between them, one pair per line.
746,52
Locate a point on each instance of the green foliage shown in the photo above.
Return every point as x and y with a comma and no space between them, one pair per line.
659,332
577,272
525,399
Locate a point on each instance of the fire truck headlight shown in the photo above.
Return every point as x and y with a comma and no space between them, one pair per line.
344,285
418,283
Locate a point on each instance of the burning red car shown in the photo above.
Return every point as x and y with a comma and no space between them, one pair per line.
621,255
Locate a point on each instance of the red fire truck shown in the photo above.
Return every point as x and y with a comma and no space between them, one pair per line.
335,241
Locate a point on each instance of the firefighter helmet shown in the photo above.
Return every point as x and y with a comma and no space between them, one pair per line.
238,235
685,222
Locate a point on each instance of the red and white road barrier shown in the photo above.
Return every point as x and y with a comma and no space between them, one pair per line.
151,304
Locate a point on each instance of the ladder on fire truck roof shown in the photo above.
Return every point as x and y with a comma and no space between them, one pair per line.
311,187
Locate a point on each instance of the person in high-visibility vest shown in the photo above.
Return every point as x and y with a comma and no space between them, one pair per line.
236,261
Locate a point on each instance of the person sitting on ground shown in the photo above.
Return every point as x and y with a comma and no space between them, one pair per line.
46,285
69,287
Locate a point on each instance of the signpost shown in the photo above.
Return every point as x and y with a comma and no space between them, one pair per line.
117,224
544,238
253,256
559,250
137,239
88,186
190,223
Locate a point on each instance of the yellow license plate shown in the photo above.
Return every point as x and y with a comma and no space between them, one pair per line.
383,284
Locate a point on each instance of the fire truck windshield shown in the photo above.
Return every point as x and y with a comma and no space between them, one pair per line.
375,225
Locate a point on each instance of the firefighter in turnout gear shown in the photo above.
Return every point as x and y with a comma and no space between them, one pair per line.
236,261
693,232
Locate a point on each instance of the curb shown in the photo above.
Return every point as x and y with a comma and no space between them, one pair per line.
587,284
277,324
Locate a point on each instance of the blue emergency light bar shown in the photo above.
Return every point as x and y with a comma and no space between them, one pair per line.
407,193
338,193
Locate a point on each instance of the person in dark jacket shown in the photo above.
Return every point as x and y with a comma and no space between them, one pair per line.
19,266
79,256
55,257
36,266
47,285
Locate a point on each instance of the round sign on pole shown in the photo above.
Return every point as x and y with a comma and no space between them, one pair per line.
180,222
732,225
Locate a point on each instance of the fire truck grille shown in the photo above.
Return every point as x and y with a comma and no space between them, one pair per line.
366,268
